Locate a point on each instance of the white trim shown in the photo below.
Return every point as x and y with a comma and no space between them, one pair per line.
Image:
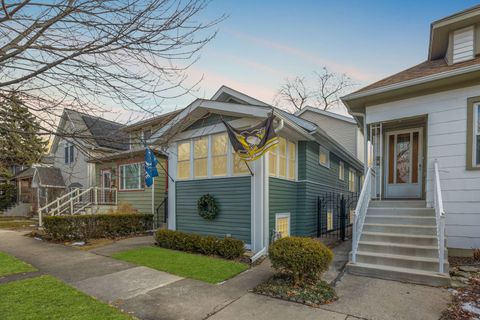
283,215
475,133
172,172
237,95
121,176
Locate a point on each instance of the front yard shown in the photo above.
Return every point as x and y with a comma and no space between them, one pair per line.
189,265
15,223
45,297
10,265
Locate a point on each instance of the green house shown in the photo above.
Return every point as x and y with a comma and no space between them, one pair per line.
276,193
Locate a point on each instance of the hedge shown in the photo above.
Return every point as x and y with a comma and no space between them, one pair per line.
91,226
303,259
228,248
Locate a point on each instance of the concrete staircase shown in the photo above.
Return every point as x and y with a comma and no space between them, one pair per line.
399,242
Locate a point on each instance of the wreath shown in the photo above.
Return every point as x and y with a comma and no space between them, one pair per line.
207,207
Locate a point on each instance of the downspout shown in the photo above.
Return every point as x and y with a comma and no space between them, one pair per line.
365,140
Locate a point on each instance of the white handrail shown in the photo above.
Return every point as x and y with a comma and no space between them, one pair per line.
361,212
440,218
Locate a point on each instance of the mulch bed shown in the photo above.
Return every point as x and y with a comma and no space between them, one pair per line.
281,287
462,261
466,302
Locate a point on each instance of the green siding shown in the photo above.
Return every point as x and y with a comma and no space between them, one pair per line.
233,197
141,200
283,199
313,180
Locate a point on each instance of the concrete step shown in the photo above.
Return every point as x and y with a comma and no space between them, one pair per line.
416,212
402,261
399,249
400,228
399,274
398,203
404,220
398,238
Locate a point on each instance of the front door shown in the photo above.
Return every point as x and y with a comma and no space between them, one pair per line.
105,193
403,174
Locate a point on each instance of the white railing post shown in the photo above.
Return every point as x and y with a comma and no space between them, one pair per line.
95,196
361,211
40,220
439,217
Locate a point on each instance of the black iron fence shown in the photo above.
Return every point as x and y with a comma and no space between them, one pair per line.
335,213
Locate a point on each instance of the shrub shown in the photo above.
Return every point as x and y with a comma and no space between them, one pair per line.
302,259
123,208
227,248
7,195
90,226
230,248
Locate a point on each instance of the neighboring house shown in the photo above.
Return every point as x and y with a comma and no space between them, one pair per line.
36,186
81,138
341,128
124,170
279,194
425,114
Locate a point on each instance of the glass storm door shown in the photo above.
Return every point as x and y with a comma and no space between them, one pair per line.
404,164
105,193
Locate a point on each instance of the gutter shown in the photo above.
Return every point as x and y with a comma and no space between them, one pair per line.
258,255
409,83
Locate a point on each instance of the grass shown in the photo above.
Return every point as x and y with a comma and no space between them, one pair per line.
48,298
208,269
11,265
15,223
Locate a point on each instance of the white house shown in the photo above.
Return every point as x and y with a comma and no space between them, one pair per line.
424,117
341,128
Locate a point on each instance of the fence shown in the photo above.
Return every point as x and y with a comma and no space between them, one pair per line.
335,214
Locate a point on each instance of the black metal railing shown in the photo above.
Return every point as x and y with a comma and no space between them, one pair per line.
335,214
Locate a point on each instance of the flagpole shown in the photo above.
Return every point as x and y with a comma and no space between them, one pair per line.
153,204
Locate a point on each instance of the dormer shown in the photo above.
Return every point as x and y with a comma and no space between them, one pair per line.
456,38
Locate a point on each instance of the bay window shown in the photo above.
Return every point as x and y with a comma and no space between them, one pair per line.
200,157
282,160
131,176
183,160
219,155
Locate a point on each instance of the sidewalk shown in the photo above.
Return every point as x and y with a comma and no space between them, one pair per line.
152,294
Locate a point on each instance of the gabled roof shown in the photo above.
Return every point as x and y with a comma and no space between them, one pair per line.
237,106
159,120
326,113
45,176
91,131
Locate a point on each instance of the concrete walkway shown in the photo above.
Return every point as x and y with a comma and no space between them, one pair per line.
152,294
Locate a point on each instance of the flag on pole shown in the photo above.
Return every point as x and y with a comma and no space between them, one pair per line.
250,144
150,167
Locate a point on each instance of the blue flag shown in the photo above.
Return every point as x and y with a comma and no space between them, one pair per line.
150,167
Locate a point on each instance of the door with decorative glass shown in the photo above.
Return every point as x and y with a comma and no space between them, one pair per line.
403,163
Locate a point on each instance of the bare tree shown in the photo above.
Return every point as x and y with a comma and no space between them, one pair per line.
330,87
325,94
95,55
293,93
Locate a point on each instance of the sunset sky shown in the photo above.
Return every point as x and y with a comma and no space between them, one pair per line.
263,42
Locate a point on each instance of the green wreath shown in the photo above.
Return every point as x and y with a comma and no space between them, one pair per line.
207,207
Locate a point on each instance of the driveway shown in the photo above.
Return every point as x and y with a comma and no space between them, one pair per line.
152,294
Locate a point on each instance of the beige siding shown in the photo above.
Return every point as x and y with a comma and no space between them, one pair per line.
139,199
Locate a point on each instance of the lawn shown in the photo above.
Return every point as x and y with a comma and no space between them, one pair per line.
208,269
15,223
11,265
48,298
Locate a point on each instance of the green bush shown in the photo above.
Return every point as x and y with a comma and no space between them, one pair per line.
7,195
227,248
230,248
91,226
303,259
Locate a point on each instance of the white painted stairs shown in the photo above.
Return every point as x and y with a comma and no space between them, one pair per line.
399,242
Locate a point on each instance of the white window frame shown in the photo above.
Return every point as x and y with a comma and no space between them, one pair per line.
354,180
122,177
283,215
341,173
208,157
70,149
210,175
327,152
476,133
287,158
